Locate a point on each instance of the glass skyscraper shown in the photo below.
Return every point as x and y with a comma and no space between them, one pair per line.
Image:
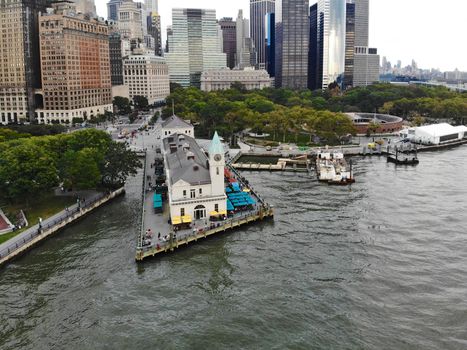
195,45
258,11
292,41
331,36
270,44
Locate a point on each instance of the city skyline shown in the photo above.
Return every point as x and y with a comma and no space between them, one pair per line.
431,39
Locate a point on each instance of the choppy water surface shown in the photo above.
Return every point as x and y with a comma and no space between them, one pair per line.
380,266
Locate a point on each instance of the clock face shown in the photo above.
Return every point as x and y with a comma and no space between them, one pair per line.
217,157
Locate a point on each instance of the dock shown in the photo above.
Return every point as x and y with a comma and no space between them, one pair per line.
166,236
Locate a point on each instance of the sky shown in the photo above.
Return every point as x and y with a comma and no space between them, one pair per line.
432,32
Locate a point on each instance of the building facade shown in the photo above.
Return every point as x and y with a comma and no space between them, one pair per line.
116,59
222,79
20,59
314,81
75,67
112,9
176,125
229,37
361,61
270,35
195,45
246,52
258,11
130,20
196,185
146,75
331,32
292,40
153,21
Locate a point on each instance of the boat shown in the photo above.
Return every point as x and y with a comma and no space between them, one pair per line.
332,168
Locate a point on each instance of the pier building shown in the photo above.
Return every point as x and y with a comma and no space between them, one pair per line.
176,125
195,180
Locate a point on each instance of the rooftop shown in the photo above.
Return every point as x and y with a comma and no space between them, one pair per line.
174,122
186,160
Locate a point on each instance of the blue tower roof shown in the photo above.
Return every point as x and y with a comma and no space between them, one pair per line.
216,145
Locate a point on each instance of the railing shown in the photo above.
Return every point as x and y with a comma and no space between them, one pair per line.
143,203
56,221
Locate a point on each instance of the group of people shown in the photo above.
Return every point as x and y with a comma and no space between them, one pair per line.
148,238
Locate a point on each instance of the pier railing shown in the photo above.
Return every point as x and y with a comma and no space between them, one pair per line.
143,204
57,220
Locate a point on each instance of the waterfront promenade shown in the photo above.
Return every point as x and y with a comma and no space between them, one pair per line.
33,235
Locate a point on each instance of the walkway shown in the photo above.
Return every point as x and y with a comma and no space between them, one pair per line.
28,235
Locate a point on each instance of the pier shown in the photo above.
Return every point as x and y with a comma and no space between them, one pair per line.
170,220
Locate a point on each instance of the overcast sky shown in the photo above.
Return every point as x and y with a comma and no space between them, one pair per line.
434,33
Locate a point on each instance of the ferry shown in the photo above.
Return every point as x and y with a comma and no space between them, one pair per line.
332,168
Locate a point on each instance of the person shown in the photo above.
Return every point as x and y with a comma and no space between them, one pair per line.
159,235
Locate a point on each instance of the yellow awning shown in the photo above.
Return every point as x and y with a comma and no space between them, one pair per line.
176,220
186,219
246,190
213,213
223,212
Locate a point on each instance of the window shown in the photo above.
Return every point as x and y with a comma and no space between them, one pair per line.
216,207
192,193
200,191
184,193
182,211
217,171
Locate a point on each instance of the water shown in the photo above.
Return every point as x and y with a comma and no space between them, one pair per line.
380,266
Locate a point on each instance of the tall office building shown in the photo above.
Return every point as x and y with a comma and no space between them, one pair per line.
195,45
314,76
20,59
246,53
270,31
75,66
361,61
132,20
112,9
152,5
331,40
292,41
229,37
154,30
349,45
146,75
258,11
86,7
115,53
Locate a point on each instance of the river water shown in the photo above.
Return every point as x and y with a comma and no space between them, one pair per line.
382,265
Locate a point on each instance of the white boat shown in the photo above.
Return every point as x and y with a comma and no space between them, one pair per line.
332,168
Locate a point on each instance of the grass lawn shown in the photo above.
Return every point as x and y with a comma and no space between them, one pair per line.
43,207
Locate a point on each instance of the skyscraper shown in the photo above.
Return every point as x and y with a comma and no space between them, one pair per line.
270,23
258,11
153,20
131,24
229,36
314,81
246,53
75,66
195,45
152,5
361,61
20,58
112,9
331,36
292,41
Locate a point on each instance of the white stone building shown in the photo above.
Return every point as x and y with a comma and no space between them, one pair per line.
176,125
195,179
147,75
222,79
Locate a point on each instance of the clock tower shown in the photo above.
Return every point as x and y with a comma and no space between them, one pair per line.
216,166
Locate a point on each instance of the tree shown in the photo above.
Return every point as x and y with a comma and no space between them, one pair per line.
118,164
122,104
174,87
80,169
140,102
26,170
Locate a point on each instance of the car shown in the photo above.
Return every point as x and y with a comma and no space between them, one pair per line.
268,148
